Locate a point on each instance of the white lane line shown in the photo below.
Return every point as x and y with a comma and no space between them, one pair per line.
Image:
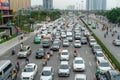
90,64
86,52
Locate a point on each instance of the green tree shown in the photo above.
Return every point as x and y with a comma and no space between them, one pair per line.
0,18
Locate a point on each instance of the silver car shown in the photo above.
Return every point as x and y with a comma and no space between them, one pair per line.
65,42
116,42
77,44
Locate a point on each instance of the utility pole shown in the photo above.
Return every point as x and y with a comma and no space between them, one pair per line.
88,12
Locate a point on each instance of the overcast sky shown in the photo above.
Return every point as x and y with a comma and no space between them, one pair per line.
62,4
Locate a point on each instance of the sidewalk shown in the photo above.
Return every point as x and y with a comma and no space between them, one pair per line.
13,42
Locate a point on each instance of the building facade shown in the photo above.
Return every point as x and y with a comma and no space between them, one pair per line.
96,5
17,5
48,4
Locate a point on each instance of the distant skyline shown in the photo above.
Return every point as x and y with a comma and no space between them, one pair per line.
63,4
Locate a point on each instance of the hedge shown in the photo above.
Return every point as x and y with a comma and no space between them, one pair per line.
111,57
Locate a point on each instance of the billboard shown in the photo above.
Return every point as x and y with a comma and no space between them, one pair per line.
4,4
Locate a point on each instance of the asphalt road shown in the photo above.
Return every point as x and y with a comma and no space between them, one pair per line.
115,50
85,52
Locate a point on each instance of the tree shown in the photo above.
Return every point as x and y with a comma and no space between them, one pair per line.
0,18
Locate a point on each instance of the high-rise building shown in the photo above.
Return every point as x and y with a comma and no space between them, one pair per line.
48,4
16,5
96,5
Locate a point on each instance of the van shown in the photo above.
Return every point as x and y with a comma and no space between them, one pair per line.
6,68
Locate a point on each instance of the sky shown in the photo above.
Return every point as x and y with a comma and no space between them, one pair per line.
62,4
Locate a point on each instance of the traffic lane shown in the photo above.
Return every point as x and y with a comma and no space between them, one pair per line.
108,41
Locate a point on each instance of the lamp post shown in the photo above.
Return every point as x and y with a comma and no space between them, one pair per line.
88,12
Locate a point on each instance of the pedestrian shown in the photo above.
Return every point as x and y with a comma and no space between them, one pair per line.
27,60
44,60
13,51
18,65
14,74
21,44
104,35
97,74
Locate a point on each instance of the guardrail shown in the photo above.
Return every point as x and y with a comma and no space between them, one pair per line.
115,63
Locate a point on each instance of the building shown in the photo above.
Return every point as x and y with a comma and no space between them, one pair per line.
71,7
5,11
96,5
48,4
16,5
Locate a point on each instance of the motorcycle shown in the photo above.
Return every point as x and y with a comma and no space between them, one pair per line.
44,62
51,53
75,54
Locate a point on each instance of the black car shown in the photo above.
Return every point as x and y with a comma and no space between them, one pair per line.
40,53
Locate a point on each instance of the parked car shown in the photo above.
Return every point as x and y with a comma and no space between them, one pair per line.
77,43
83,40
64,69
103,66
96,48
40,53
65,42
80,77
47,73
78,64
64,55
116,42
24,52
29,72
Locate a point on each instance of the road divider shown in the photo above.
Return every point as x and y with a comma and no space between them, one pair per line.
115,63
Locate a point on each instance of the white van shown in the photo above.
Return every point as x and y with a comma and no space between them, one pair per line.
69,36
6,68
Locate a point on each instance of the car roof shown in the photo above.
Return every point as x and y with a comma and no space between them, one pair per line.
64,50
78,58
80,76
64,62
99,51
47,68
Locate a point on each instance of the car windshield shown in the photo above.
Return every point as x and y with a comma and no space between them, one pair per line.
77,41
65,41
28,69
99,55
46,73
63,66
104,64
0,73
79,79
79,61
23,49
97,47
64,53
92,41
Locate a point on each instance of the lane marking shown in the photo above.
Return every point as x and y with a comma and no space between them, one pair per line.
86,51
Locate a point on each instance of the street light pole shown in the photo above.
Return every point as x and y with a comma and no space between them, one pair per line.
88,12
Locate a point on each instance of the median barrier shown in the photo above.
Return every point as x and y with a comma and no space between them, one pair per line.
115,63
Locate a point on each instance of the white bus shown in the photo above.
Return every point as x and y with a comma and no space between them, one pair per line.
6,68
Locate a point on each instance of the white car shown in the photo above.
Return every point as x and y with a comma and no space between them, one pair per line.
63,35
29,72
116,42
47,73
65,42
103,66
64,55
78,64
92,42
64,69
77,43
80,77
24,52
86,33
99,55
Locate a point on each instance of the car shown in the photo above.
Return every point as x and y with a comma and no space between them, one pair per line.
77,36
80,77
40,53
77,44
96,48
112,75
92,42
83,40
103,66
65,42
64,55
37,40
78,64
46,43
29,72
86,33
57,40
63,35
99,55
116,42
93,27
24,51
64,69
55,46
47,73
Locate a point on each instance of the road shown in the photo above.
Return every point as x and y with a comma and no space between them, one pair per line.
85,52
115,50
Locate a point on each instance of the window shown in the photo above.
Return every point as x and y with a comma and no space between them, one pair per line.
7,68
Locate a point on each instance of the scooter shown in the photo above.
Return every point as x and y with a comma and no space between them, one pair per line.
44,62
75,54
